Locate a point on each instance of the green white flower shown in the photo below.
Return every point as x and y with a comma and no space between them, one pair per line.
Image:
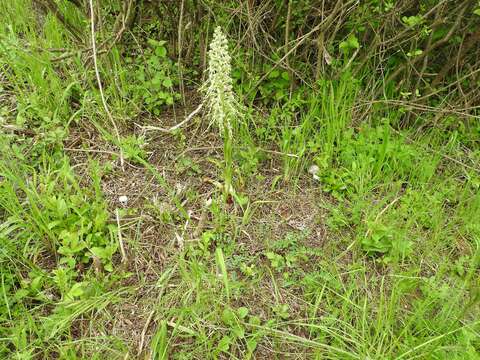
220,100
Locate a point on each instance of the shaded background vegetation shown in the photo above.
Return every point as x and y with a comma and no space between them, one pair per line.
423,50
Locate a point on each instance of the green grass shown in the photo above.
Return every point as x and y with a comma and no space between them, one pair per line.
376,258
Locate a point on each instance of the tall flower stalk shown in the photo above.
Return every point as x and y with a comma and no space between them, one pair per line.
220,101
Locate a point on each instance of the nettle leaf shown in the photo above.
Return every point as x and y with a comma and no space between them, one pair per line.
412,21
154,62
349,44
21,294
274,74
100,219
239,332
37,283
228,317
242,312
224,344
254,320
414,53
353,42
379,239
76,291
157,80
100,252
155,43
167,82
108,267
62,207
280,94
252,344
161,51
69,261
67,237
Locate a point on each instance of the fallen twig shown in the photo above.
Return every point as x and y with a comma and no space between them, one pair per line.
120,239
144,332
175,127
99,81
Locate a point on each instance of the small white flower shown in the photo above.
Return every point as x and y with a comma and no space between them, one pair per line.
314,170
123,200
218,89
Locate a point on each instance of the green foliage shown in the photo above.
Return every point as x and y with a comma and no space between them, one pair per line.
351,43
159,343
382,239
133,148
153,78
412,21
276,87
72,222
250,159
373,254
53,231
273,89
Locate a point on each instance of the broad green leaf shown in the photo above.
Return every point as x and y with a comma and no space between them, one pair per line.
228,317
224,344
242,312
167,82
161,51
75,291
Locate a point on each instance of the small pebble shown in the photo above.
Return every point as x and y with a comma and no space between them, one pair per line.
314,169
123,200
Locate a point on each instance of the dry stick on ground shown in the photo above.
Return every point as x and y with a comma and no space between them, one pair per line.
99,81
175,127
144,332
120,238
90,150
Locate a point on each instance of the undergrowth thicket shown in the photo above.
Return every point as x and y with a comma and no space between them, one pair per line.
322,204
